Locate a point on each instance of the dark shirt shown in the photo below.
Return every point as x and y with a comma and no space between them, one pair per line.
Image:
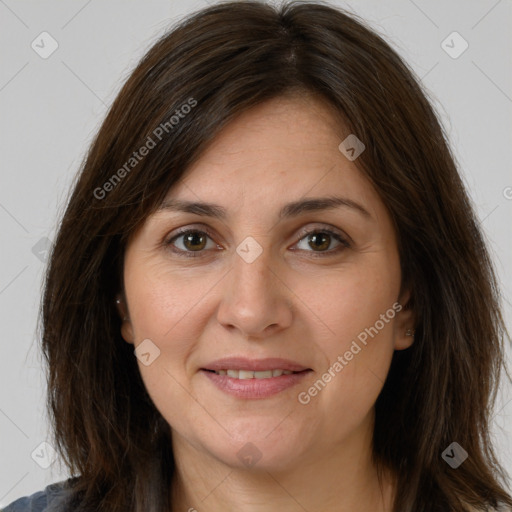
51,499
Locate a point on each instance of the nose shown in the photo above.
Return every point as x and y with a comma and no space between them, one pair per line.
255,298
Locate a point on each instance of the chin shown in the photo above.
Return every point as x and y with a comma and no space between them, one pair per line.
258,453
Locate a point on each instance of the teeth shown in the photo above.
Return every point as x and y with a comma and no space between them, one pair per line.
247,374
263,375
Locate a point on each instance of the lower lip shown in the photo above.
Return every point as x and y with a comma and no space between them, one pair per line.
255,388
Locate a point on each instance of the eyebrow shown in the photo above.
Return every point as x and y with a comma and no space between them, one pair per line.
289,210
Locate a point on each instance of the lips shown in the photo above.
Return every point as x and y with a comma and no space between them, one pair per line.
246,378
248,374
254,365
255,388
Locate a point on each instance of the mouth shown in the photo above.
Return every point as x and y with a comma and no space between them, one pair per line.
249,374
244,364
254,379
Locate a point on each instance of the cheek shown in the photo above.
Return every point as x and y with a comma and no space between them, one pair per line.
164,308
358,309
351,301
161,298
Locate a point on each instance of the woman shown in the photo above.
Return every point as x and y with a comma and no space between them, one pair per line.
269,290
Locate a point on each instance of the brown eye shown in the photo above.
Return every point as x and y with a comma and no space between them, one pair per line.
190,241
194,241
319,240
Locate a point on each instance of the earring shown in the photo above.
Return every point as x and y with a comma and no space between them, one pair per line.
118,301
409,332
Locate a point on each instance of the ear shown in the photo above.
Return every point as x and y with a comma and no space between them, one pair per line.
126,325
405,322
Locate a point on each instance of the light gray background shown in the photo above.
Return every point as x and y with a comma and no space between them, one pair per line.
51,108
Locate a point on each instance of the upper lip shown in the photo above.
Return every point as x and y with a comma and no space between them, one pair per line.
243,363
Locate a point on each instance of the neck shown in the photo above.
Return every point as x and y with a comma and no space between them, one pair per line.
341,479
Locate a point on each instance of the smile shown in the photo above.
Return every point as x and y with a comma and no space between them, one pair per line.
247,374
247,384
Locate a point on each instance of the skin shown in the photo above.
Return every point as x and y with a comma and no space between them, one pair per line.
287,303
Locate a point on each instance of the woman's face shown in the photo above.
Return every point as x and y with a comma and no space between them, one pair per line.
316,287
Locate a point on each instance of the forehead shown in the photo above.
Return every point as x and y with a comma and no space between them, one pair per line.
284,147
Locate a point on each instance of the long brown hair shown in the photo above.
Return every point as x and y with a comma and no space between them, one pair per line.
220,62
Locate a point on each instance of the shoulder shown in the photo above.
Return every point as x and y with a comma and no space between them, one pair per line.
51,499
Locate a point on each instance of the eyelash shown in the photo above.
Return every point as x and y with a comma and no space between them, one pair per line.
315,254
